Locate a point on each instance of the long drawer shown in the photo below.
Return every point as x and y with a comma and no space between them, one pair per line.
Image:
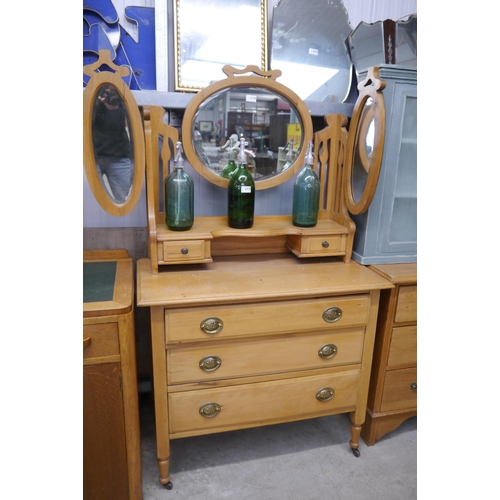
227,408
403,350
406,309
203,323
100,340
292,353
400,390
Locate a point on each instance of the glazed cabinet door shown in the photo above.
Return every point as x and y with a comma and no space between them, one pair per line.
104,451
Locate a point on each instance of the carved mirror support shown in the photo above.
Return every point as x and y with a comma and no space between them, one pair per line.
365,144
113,137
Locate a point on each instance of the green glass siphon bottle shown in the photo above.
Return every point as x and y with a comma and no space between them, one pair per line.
179,196
241,193
306,194
228,170
232,148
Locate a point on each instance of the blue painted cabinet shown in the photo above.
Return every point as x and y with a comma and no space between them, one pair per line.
387,232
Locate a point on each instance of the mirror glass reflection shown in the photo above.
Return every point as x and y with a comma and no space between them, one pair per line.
211,33
365,140
268,122
113,143
307,45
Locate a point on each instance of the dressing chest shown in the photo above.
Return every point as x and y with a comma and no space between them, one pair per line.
393,385
111,436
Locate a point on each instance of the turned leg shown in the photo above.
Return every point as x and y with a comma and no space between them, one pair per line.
355,433
164,476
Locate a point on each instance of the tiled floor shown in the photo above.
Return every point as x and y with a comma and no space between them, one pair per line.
306,460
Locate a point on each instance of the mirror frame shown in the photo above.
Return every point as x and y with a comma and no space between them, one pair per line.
179,84
372,88
267,80
113,76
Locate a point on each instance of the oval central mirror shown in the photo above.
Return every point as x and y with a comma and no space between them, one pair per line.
272,119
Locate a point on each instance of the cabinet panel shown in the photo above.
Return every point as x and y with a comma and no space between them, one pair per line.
263,357
258,404
103,433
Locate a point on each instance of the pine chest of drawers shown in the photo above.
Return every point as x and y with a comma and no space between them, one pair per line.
393,386
111,434
258,340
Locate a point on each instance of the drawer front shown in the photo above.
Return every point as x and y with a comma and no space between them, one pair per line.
403,350
261,403
264,357
100,340
310,246
203,323
180,251
324,244
399,393
406,309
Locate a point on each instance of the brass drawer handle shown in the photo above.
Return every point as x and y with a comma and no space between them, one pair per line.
210,363
211,325
325,394
210,410
413,386
328,351
184,251
325,244
332,314
86,342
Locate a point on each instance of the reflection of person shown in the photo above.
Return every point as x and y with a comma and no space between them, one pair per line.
113,148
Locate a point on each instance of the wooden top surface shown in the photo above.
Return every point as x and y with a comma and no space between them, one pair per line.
253,278
108,277
397,273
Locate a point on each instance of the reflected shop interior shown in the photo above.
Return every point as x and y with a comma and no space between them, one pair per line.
269,123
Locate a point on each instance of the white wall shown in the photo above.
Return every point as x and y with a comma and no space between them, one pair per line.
270,201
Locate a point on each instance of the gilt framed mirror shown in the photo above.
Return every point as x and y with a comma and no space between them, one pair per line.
113,137
365,144
209,34
272,119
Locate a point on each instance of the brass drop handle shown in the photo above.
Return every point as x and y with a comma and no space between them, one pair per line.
210,410
86,342
328,351
325,244
211,325
413,386
210,363
325,394
184,251
332,314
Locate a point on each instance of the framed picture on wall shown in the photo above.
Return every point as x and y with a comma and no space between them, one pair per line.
207,36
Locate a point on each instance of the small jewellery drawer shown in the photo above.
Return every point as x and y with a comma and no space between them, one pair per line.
186,251
311,246
400,390
242,359
100,340
403,350
203,323
225,408
406,309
